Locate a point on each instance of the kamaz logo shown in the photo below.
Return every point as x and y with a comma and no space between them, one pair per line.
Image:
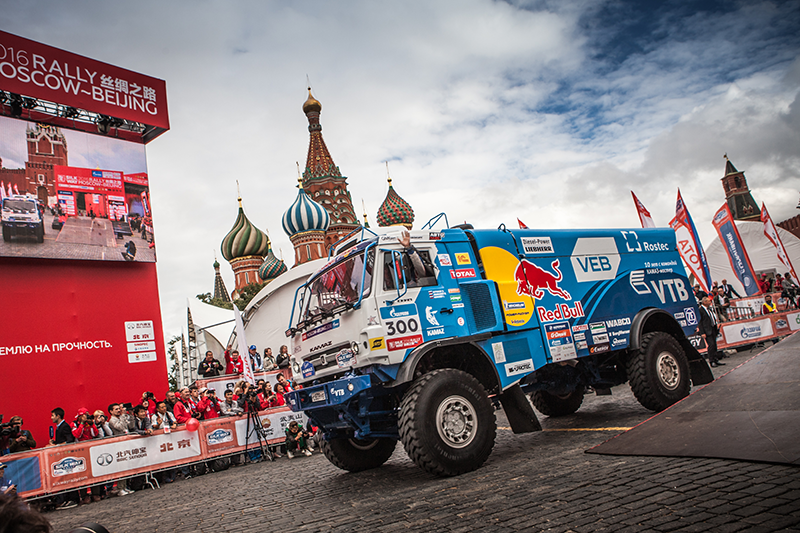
321,346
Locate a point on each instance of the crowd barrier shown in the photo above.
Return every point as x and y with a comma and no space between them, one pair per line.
71,466
760,328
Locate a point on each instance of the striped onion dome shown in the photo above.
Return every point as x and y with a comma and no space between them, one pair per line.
305,215
244,239
394,211
272,267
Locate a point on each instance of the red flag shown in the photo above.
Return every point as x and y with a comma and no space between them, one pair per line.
772,234
689,245
521,224
644,214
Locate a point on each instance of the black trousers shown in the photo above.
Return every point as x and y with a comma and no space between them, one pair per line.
711,342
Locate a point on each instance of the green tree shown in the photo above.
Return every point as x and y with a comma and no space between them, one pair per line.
246,294
218,302
173,345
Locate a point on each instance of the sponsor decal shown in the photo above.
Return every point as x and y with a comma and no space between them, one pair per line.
398,311
514,305
520,367
320,346
599,348
454,291
595,259
458,306
632,244
444,260
618,341
68,465
617,322
307,369
561,312
321,329
533,280
455,297
499,353
579,336
436,294
435,235
537,245
781,324
597,327
462,273
463,259
636,279
298,348
433,332
620,333
372,321
218,436
104,459
461,318
581,345
580,327
600,339
377,343
430,316
558,334
750,331
690,315
402,343
345,358
679,316
675,289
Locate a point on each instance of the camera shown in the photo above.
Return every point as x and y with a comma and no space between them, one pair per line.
8,429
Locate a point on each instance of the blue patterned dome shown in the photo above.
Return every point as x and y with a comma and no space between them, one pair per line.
272,267
305,215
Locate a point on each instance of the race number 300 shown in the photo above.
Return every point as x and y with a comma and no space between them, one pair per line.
401,327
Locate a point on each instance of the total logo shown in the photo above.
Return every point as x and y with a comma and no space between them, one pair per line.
534,280
595,259
561,312
462,273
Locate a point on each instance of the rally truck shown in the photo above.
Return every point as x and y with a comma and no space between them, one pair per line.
21,215
417,343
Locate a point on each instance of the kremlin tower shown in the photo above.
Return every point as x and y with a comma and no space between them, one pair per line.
307,224
394,211
737,194
220,292
244,247
322,180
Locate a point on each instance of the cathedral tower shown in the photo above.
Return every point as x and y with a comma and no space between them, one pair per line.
306,223
244,247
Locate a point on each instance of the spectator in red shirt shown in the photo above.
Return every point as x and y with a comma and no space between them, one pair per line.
764,284
183,409
287,387
84,426
279,390
267,397
235,365
208,406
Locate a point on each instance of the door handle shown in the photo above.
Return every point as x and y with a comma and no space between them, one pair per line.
445,310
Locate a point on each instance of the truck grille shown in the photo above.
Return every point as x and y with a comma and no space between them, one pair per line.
328,356
479,301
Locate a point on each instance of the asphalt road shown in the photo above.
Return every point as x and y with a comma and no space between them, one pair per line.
535,482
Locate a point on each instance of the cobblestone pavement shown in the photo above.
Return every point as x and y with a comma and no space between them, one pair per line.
535,482
54,247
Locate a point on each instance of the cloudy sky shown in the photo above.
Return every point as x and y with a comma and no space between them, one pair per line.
550,111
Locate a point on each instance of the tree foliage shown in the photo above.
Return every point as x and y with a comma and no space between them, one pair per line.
173,345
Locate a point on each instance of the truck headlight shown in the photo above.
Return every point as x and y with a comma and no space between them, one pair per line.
295,365
354,347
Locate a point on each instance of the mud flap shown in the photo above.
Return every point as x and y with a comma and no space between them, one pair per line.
519,411
700,372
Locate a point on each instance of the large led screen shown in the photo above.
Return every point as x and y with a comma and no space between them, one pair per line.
71,195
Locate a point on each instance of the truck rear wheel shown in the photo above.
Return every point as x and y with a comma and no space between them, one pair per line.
659,372
447,423
355,455
6,233
40,233
551,404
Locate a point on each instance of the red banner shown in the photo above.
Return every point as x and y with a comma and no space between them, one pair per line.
41,71
88,180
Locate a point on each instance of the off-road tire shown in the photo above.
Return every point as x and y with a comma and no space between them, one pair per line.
40,233
356,455
429,442
6,234
558,404
659,371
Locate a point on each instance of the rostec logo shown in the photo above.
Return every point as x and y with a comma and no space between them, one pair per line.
104,459
533,280
68,465
219,436
595,258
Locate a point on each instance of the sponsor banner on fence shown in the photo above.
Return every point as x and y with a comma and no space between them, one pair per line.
25,471
223,383
121,456
793,320
748,331
67,466
274,424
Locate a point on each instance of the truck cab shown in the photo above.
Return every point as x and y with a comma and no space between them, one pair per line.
20,215
410,335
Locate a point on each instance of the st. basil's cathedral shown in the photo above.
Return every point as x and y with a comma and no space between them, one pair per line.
321,214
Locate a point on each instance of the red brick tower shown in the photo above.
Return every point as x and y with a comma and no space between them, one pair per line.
737,194
46,147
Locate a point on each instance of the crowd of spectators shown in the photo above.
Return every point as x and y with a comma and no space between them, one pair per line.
722,294
150,414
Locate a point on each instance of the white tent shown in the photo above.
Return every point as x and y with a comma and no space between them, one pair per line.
266,317
763,254
211,327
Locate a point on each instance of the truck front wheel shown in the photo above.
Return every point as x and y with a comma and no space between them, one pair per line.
551,404
40,233
355,455
6,233
447,423
659,372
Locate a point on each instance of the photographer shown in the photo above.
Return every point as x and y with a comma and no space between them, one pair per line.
209,367
20,439
248,400
230,407
184,409
208,406
101,423
84,428
296,439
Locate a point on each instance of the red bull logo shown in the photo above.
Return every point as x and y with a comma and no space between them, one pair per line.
533,281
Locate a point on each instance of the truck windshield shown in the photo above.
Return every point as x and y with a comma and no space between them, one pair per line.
339,286
19,206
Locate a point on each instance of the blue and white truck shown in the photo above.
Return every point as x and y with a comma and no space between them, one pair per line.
409,336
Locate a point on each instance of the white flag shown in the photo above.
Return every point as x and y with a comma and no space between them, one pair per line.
243,351
772,234
644,214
